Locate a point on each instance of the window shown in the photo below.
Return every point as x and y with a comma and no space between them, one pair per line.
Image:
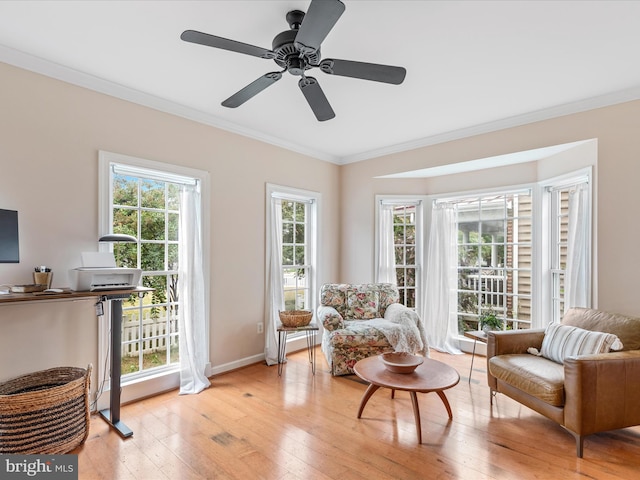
494,259
144,199
562,201
559,234
296,254
405,242
148,209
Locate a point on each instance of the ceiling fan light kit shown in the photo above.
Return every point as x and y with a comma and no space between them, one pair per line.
297,50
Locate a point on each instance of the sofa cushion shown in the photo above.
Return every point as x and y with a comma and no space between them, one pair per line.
537,376
357,334
627,329
562,341
362,304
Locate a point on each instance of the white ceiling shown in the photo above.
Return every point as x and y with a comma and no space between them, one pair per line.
472,66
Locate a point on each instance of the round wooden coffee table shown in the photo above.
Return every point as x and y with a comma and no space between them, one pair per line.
431,376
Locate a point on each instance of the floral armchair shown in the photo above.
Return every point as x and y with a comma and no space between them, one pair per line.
362,320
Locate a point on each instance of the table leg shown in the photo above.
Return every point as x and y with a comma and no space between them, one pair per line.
371,389
443,397
282,350
416,414
112,414
473,356
311,343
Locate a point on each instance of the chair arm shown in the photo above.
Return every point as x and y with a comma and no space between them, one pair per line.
602,392
330,318
513,341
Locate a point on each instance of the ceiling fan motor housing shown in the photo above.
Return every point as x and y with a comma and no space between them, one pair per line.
286,53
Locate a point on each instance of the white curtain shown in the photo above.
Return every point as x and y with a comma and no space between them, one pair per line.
386,251
577,282
440,306
274,297
192,315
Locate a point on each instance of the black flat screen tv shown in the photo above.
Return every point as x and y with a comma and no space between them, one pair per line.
9,244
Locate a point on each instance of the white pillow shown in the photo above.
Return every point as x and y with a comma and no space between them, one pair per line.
562,341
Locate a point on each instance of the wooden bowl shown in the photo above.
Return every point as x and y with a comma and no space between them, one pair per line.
401,362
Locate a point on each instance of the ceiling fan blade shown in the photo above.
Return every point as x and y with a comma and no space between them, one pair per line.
365,71
225,44
320,18
316,99
252,89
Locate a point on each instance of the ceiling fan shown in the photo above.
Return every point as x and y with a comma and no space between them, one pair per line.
298,50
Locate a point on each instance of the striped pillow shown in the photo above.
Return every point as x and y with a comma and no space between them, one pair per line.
562,341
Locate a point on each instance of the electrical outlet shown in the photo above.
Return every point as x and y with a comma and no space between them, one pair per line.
260,327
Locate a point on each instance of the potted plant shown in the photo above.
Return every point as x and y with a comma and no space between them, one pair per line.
490,321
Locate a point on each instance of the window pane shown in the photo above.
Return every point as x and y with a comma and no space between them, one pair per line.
399,255
411,298
152,194
173,227
172,258
125,190
410,280
287,211
173,199
410,256
125,221
299,233
287,255
287,233
300,257
126,254
152,225
411,235
300,212
152,256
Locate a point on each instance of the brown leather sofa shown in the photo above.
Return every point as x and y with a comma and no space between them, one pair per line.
586,395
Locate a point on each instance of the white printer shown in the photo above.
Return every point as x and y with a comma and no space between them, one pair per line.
99,272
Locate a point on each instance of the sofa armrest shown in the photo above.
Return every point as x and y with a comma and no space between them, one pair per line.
513,341
602,392
330,318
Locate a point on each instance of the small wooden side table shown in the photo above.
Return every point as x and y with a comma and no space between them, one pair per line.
477,336
310,331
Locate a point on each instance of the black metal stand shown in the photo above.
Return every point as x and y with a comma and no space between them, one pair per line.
112,415
310,332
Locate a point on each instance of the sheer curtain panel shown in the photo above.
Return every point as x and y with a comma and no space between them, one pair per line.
191,320
440,306
578,276
386,252
274,296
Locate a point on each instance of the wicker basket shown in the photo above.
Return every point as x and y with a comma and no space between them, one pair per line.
295,318
45,412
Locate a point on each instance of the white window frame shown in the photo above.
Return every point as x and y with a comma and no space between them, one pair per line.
549,238
419,201
314,199
165,378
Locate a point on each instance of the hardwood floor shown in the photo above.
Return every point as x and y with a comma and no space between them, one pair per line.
253,424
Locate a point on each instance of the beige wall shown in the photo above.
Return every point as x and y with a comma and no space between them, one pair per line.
618,169
50,135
